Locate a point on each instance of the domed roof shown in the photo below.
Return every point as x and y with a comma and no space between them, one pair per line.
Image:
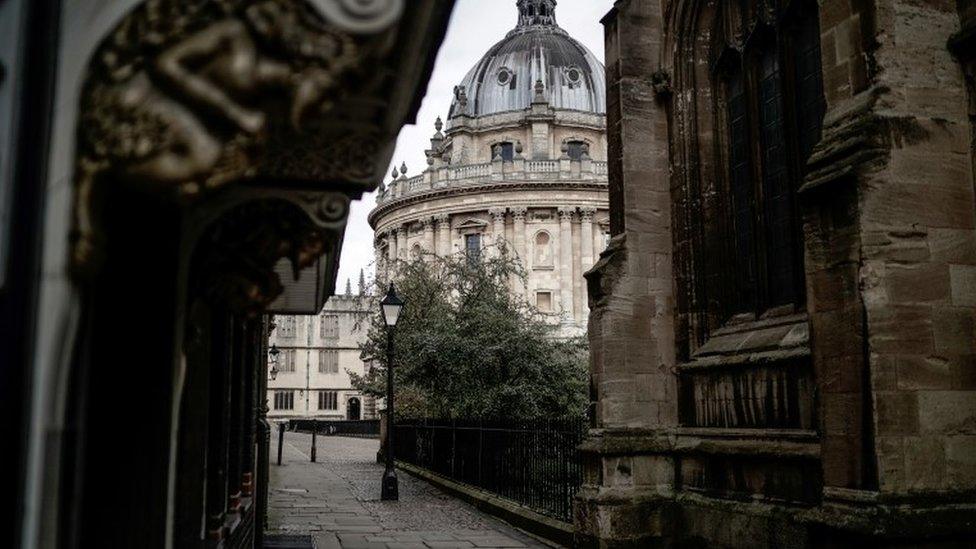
536,50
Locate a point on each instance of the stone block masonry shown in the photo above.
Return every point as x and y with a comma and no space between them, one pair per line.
856,427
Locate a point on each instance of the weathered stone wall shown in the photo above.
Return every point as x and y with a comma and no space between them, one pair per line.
626,493
908,264
889,235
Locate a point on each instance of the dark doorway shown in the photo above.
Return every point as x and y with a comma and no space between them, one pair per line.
353,409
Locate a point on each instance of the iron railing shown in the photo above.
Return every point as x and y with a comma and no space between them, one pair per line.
532,462
369,428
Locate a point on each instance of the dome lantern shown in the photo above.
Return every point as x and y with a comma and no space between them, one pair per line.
537,62
537,12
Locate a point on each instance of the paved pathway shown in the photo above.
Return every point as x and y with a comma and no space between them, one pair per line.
337,501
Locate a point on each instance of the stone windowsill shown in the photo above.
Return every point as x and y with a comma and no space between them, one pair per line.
765,339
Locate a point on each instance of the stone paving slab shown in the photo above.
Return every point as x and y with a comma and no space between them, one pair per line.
337,501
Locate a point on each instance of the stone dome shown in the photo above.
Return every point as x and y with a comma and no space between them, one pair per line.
505,79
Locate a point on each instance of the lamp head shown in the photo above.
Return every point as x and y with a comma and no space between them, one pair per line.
391,306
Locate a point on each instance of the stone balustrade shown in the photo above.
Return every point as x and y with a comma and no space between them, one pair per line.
493,172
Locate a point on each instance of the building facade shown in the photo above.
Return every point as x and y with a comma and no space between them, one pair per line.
316,355
782,328
522,160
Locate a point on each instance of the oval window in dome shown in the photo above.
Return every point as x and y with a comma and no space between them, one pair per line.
504,77
574,76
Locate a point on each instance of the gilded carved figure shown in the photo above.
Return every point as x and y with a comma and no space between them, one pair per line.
185,94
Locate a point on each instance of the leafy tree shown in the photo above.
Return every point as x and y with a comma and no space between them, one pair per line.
467,347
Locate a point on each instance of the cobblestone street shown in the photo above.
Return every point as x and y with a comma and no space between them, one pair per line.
337,502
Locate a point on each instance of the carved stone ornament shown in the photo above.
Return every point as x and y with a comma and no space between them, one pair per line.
238,254
185,96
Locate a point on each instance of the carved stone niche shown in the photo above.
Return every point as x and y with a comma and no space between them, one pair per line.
184,97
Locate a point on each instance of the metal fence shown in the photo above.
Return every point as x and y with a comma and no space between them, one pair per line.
359,429
535,463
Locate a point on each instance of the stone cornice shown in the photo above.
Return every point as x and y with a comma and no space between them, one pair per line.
489,188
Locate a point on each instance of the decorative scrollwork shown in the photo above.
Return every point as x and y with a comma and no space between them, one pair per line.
361,16
185,96
332,208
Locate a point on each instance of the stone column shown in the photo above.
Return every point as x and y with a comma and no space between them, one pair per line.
428,224
566,263
391,248
401,233
498,227
586,252
518,218
443,234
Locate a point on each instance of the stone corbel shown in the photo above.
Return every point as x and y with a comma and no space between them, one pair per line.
854,140
661,84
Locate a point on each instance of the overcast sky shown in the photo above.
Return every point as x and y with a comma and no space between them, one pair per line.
475,26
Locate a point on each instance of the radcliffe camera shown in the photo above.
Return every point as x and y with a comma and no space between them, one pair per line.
460,274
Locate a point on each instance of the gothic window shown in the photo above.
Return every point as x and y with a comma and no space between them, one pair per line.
284,400
329,326
543,251
774,106
328,400
328,361
472,246
416,251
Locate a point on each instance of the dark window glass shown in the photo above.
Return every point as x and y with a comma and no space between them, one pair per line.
777,186
575,151
472,246
507,151
774,116
284,400
328,400
811,105
742,193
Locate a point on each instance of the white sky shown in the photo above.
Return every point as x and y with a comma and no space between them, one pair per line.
475,26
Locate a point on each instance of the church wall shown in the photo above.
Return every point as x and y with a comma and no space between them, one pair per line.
889,243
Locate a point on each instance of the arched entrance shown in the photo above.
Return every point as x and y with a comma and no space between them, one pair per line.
353,409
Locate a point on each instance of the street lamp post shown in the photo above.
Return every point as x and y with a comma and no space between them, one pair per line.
390,307
273,372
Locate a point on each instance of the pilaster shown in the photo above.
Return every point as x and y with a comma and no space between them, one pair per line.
518,221
443,222
428,225
586,249
566,215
